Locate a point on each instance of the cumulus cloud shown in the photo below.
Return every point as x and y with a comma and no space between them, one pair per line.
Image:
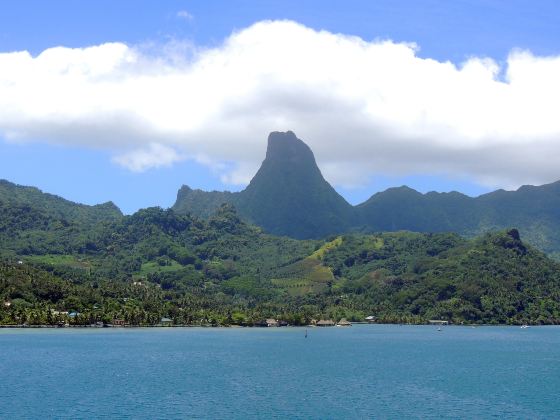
365,107
153,156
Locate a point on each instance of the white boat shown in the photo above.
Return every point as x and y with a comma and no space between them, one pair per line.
524,326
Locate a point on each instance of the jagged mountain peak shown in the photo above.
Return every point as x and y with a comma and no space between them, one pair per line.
288,194
286,147
289,162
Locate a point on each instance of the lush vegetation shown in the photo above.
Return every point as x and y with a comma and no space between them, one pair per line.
59,267
42,207
535,211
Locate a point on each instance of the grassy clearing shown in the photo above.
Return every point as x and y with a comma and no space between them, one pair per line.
154,267
320,253
59,260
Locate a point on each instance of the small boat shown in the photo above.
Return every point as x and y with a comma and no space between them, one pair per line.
343,323
524,326
439,328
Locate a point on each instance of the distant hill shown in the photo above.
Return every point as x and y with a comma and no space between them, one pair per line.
33,220
534,210
289,196
54,206
202,203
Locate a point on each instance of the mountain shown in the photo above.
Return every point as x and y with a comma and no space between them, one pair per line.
534,210
33,221
202,203
403,208
289,196
55,207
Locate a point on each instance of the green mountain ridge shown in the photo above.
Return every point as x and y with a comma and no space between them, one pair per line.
288,196
222,271
38,222
54,206
534,210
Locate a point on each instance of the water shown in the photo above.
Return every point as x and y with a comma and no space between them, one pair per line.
358,372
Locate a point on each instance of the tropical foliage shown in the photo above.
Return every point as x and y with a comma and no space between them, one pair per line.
58,267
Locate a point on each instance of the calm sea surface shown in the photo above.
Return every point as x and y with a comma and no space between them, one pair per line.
359,372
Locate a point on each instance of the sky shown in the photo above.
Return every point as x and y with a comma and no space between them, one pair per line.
127,101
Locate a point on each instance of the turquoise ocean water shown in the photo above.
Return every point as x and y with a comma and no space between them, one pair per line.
364,371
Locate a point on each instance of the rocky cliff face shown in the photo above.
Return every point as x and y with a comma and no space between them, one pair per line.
287,196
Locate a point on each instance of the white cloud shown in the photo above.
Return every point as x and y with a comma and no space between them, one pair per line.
364,107
153,156
183,14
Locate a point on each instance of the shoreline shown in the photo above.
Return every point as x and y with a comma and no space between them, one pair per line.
121,327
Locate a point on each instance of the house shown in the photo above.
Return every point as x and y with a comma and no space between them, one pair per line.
166,322
7,304
438,322
325,323
61,313
271,322
73,314
118,322
343,323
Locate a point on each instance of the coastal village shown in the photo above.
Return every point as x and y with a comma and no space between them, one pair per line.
63,319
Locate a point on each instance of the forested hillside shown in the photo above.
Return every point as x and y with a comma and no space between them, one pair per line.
223,271
50,206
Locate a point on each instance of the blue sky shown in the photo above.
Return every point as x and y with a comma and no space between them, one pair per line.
444,30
